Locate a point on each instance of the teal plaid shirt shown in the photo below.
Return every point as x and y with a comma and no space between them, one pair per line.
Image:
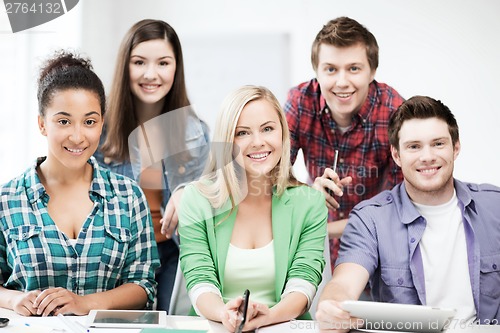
116,244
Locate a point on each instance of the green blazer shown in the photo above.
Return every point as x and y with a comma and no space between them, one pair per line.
299,220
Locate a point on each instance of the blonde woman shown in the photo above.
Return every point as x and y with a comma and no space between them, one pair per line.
248,223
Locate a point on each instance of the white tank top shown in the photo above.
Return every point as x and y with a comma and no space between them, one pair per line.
252,269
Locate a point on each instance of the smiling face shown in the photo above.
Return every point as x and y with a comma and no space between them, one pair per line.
72,123
344,76
258,136
426,156
152,70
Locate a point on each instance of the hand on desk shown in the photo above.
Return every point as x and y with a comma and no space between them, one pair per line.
23,303
257,315
260,317
333,319
54,301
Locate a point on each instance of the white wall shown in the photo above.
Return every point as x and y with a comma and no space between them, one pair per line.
447,49
21,55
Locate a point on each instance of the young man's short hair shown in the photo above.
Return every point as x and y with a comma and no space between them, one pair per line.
343,32
421,107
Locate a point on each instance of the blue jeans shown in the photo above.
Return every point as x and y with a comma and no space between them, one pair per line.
165,274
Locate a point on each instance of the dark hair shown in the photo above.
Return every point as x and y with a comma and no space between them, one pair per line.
121,119
65,70
421,107
342,32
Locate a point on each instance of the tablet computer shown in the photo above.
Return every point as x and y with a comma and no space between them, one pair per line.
127,318
400,317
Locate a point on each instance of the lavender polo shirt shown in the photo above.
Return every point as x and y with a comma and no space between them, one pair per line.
383,236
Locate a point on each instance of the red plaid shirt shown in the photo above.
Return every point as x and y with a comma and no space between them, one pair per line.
364,150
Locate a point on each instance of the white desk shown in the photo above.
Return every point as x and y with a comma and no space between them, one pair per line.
309,326
20,324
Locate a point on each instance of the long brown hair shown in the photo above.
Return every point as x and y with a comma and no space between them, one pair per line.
120,116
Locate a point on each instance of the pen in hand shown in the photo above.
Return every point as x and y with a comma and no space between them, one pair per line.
335,159
334,167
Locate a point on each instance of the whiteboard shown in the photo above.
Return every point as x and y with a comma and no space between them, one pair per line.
217,64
